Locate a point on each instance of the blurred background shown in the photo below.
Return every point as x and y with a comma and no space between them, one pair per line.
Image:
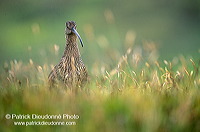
35,29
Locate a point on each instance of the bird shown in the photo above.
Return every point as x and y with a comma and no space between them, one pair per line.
71,70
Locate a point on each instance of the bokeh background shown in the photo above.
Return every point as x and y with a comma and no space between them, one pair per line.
142,56
35,29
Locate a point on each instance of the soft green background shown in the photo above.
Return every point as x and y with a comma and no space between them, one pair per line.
135,94
29,29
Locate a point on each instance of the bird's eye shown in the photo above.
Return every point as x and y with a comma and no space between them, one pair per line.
67,25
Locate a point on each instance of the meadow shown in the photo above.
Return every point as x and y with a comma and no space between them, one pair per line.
138,94
142,58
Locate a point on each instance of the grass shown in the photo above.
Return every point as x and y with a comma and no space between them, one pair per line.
136,93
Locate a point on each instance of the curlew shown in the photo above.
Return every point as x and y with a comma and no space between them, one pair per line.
71,69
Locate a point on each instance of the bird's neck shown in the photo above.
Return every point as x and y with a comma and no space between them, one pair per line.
71,47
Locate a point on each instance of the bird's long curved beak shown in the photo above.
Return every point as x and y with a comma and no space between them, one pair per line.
74,31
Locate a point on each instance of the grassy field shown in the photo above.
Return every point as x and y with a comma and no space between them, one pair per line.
138,94
142,58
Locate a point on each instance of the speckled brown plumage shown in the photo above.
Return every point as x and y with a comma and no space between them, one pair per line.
71,69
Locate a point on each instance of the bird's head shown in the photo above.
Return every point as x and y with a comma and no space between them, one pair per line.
71,29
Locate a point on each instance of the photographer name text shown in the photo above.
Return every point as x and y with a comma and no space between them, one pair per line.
45,116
